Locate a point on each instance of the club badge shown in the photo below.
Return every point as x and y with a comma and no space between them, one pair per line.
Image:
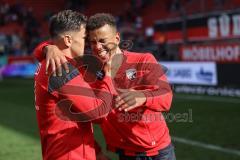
131,74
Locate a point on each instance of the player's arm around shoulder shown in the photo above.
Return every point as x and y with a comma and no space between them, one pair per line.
78,99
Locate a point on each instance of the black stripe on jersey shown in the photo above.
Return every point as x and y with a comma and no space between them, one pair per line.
56,82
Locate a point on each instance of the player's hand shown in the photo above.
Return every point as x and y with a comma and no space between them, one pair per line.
107,69
111,67
101,156
55,59
129,99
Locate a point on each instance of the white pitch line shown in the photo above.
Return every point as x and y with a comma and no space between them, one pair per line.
208,98
206,146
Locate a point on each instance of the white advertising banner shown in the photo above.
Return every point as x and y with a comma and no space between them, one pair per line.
196,73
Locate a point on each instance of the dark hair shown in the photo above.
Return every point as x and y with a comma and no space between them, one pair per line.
100,19
66,20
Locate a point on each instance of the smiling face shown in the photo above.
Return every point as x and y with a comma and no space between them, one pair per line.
104,42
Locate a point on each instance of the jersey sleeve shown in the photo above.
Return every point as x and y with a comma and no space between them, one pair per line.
157,91
77,100
38,51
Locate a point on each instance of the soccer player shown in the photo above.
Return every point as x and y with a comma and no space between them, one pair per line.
59,99
137,130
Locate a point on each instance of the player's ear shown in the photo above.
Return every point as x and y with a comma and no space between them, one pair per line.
67,40
118,37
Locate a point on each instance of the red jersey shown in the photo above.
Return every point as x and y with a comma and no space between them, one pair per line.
142,130
66,133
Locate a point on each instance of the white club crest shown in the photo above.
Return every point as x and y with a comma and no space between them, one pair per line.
131,74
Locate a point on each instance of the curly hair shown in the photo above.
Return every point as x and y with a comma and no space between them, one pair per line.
100,19
66,20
